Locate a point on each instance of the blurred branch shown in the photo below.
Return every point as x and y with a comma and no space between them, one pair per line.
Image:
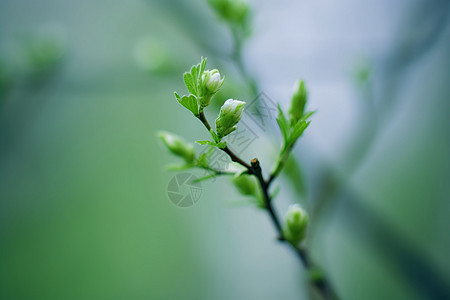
399,251
402,254
319,282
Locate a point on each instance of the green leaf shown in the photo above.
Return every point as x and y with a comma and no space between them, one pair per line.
203,159
190,102
194,74
190,84
206,143
203,67
283,124
221,145
297,131
210,176
214,136
245,184
175,167
307,115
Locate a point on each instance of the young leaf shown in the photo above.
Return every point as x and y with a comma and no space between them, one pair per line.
297,131
210,176
203,67
214,136
194,74
220,145
190,84
206,143
175,167
203,159
283,124
307,115
190,102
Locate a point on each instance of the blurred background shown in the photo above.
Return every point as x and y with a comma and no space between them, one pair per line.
84,211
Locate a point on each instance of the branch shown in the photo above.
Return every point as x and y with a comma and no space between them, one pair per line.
227,150
320,283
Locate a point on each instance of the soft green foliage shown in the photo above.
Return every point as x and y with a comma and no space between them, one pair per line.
296,223
202,85
193,78
291,131
248,178
245,184
235,12
178,146
230,114
217,144
298,102
190,102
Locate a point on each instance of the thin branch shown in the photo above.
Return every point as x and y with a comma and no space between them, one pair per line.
227,150
320,284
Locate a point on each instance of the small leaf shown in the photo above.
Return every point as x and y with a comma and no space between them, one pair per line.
205,178
307,115
214,136
190,84
203,67
194,74
175,167
190,102
203,159
297,131
193,104
222,145
206,143
283,124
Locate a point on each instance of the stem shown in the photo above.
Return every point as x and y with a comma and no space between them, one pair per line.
280,164
227,150
321,285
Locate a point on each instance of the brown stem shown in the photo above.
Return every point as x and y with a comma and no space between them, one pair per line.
254,168
227,150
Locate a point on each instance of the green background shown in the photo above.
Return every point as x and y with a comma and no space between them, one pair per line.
84,212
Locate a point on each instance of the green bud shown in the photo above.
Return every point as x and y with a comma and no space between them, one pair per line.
178,146
230,114
299,98
212,81
245,184
210,84
232,11
296,223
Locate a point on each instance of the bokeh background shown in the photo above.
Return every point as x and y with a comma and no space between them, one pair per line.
84,212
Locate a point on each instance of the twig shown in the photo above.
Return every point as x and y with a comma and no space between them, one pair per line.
320,283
